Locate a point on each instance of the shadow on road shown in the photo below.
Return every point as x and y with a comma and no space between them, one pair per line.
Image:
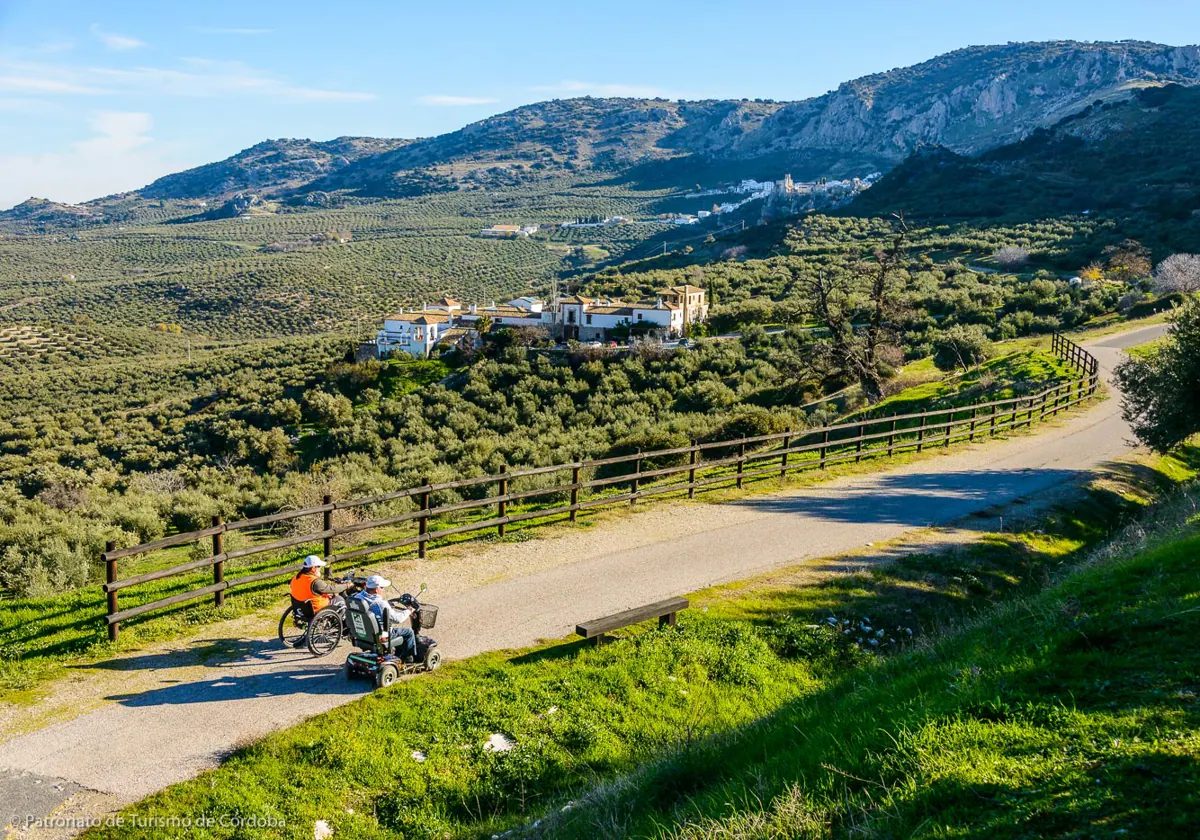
918,500
313,680
221,653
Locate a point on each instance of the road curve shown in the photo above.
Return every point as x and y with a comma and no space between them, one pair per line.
174,716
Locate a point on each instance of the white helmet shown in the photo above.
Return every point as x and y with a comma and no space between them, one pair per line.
377,582
312,561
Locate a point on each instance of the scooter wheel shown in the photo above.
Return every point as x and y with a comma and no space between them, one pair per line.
387,675
433,659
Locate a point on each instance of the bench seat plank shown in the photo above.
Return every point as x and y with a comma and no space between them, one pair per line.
598,626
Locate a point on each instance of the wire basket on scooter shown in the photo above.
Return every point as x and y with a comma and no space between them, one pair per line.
428,615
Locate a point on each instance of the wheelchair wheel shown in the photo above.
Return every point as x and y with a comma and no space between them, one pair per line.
433,659
386,676
291,630
325,631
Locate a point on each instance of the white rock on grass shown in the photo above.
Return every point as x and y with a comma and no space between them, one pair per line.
499,742
322,830
418,756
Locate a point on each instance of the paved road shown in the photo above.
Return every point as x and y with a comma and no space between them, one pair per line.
167,715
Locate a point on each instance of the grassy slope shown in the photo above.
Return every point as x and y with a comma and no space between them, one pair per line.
1069,714
39,635
582,715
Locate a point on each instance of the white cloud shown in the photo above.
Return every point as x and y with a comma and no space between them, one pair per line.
202,77
114,41
221,30
120,155
574,87
43,84
443,101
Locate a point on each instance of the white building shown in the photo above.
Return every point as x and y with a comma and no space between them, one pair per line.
692,302
447,322
414,333
586,319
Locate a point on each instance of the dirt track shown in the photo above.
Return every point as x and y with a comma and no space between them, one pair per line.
134,725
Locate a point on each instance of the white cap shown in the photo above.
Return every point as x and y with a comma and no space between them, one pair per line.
377,582
312,561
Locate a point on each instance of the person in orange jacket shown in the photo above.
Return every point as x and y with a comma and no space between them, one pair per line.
312,592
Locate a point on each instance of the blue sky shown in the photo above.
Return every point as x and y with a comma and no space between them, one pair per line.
102,97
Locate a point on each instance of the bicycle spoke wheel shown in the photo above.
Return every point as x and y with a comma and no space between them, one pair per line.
325,632
289,631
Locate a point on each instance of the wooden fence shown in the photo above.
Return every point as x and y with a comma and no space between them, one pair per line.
731,462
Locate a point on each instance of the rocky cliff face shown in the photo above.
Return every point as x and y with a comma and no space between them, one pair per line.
972,99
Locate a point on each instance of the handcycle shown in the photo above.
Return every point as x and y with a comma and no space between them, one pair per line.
320,632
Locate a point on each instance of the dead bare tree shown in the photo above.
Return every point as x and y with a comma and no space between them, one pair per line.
865,351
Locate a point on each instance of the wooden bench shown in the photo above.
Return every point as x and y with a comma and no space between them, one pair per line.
664,611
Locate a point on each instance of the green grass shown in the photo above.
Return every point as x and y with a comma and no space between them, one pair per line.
714,712
1014,374
1072,713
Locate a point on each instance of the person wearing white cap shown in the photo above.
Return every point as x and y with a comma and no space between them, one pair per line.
312,592
400,639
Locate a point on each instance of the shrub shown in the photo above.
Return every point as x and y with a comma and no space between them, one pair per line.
1162,390
961,347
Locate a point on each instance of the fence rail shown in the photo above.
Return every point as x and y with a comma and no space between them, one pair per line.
794,451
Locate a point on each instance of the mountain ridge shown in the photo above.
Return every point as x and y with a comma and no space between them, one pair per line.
1140,154
968,100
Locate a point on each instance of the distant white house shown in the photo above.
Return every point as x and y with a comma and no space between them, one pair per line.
448,322
509,231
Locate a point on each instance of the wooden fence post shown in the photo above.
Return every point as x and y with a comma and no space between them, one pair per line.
502,507
218,548
824,448
787,443
921,432
862,430
423,522
327,525
633,485
692,471
114,629
892,439
741,464
995,412
974,416
574,492
949,426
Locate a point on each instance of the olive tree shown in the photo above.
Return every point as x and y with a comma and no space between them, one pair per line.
961,346
1162,388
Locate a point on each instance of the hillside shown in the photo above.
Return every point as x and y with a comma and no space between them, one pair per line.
1141,154
968,101
270,166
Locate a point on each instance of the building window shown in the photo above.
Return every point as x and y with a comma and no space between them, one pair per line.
639,316
587,318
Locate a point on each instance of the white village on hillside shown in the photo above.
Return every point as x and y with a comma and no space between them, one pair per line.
448,323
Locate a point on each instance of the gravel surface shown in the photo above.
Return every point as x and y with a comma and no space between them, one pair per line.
153,718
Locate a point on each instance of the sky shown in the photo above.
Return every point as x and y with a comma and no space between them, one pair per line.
98,98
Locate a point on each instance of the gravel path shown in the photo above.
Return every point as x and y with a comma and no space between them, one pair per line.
134,725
